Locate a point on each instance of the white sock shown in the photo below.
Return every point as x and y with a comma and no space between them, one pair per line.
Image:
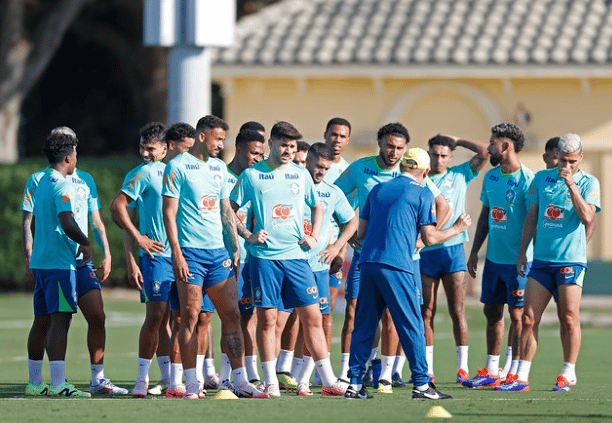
514,367
569,371
398,366
283,363
57,372
164,366
508,361
143,369
462,358
493,364
344,366
200,369
308,366
209,367
356,386
97,373
191,377
326,372
35,371
250,362
296,369
523,370
269,372
422,387
176,375
429,358
240,376
226,368
373,355
386,370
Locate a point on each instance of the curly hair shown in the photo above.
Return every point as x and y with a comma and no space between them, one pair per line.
59,145
442,140
511,132
178,131
153,131
396,129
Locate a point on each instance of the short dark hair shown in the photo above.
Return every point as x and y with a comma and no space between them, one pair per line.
59,145
153,131
179,130
303,146
396,129
442,140
284,130
338,121
321,150
248,135
211,122
255,126
551,144
511,132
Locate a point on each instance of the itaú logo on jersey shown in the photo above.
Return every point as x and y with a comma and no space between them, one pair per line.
307,227
282,211
498,214
554,212
208,202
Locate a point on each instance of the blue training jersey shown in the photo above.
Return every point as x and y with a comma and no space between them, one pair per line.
334,203
560,236
506,197
52,248
395,212
143,185
200,186
245,214
278,197
453,186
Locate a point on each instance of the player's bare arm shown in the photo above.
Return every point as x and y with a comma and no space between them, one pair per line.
179,265
590,230
584,210
252,238
230,236
432,236
119,210
27,240
443,214
529,231
99,231
72,231
480,148
482,230
334,248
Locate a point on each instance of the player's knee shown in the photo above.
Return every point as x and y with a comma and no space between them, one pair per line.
97,320
569,320
493,313
528,321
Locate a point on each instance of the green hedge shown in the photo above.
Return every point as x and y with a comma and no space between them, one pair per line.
108,174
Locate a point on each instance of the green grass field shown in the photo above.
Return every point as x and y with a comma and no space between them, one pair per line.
590,400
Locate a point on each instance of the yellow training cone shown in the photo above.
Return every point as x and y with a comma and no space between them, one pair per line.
437,411
225,394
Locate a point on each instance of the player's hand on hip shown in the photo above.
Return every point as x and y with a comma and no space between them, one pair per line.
328,254
105,267
150,246
472,265
258,237
87,253
463,222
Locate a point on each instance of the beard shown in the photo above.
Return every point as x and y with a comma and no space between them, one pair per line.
495,160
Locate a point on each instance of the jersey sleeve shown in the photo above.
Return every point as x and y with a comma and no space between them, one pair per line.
346,181
427,209
432,187
171,185
591,192
466,170
483,193
27,204
93,202
243,190
225,186
342,208
135,182
63,197
309,191
532,194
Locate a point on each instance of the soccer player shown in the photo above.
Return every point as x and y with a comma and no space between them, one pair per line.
58,240
318,161
142,185
361,176
249,151
391,218
504,208
563,201
89,294
446,262
300,155
200,224
280,276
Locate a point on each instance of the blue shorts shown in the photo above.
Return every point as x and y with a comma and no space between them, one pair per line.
501,284
353,277
175,304
208,267
550,275
158,277
245,304
86,278
443,261
335,280
55,291
287,282
322,279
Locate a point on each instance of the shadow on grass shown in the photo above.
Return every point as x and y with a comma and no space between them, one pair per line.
535,416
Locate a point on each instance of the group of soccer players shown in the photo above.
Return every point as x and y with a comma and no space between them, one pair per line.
262,240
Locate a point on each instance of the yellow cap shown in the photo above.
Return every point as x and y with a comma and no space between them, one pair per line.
438,411
416,158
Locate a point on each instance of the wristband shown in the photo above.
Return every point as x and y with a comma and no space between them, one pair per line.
316,240
573,183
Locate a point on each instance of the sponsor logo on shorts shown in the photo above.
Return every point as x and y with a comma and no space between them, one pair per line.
312,290
227,263
156,287
339,274
282,211
519,293
246,302
208,202
323,300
